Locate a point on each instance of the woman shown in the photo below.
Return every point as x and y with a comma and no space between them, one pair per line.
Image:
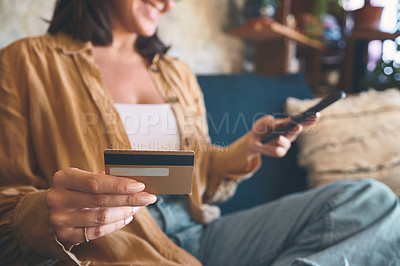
100,62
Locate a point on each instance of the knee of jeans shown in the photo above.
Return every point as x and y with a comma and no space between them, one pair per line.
376,186
375,191
364,191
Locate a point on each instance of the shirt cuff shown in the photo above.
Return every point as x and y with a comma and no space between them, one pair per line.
234,162
34,232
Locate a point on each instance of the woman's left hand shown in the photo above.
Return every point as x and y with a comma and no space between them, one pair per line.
279,146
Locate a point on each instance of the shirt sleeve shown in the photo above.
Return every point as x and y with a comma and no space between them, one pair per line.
26,236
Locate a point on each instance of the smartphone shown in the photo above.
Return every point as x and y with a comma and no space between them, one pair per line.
309,113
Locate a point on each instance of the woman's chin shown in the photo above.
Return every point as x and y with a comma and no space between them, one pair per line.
147,34
147,31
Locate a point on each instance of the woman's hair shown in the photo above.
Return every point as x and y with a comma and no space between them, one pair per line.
89,20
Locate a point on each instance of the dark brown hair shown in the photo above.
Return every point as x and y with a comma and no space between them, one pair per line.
89,20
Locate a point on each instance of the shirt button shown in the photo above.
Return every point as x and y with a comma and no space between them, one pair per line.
154,68
173,99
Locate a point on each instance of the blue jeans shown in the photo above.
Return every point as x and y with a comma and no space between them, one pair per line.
172,214
345,223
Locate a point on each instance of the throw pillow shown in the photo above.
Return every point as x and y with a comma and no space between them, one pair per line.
357,137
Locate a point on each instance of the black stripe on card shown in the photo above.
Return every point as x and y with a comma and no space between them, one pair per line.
148,159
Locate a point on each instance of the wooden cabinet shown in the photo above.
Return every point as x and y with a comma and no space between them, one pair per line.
277,44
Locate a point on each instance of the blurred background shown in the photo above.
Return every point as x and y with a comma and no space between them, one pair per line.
338,44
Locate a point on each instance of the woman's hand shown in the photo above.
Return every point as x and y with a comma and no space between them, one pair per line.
84,204
279,146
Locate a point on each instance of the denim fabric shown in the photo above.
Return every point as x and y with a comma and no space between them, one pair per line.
172,214
345,223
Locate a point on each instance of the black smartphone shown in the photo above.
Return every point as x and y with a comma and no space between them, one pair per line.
309,113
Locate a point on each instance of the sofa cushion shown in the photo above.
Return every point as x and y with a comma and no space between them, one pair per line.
233,103
356,138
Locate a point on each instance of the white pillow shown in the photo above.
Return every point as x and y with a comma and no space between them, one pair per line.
357,137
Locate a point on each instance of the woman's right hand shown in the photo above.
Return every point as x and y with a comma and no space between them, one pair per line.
101,203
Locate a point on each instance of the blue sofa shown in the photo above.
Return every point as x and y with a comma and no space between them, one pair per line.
233,102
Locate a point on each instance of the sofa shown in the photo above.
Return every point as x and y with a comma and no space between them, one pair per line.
234,102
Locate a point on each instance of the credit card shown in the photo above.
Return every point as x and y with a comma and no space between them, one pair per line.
162,172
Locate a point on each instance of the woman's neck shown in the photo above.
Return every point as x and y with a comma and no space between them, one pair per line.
123,40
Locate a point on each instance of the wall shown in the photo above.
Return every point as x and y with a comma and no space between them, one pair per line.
23,17
195,29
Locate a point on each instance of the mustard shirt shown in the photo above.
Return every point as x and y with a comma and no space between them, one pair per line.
55,113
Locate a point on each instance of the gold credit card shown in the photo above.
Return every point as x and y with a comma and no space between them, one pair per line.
162,172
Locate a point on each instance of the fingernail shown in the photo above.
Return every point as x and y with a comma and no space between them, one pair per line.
128,220
135,187
135,210
147,199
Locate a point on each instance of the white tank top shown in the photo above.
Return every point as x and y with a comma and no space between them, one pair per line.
150,126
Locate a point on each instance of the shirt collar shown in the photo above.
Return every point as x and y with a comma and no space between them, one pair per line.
65,43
